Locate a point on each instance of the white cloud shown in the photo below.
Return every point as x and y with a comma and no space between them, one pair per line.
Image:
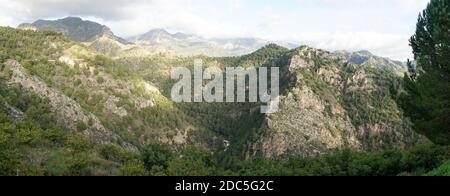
382,26
388,45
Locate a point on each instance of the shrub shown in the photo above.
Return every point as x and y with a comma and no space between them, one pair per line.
115,153
81,126
28,133
77,83
79,143
133,168
78,164
56,164
444,170
193,162
55,135
156,155
100,80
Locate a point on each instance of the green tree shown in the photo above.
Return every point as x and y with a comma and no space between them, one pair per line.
193,162
156,155
133,168
427,97
9,155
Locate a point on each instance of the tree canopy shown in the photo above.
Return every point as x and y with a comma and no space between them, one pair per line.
427,97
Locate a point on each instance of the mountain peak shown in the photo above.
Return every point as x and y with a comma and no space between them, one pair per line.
74,28
164,32
368,59
71,18
158,31
364,52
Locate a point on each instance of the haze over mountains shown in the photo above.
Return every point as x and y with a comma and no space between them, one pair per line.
88,94
74,28
102,39
185,44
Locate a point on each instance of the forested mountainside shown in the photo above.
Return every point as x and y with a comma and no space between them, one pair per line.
331,103
67,109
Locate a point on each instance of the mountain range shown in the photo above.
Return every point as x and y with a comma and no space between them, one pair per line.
92,94
329,100
102,39
74,28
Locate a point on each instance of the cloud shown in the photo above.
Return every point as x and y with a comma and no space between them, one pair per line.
382,26
107,9
388,45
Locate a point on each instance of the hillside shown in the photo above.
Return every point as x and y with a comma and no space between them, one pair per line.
367,59
332,103
74,28
328,103
120,104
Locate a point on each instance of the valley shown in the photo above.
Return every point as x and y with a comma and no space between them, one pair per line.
78,100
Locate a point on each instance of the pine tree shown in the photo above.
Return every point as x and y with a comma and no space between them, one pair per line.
427,101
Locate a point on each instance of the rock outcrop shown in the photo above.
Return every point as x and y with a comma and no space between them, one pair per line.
68,112
333,104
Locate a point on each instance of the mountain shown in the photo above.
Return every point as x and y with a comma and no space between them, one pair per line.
187,44
75,29
64,104
328,103
332,102
101,39
161,36
367,59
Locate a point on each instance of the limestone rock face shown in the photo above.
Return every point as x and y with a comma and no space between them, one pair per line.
68,112
27,26
304,127
333,104
112,107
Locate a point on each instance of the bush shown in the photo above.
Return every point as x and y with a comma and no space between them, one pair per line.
193,162
28,133
9,157
156,155
81,126
55,135
444,170
133,168
115,153
79,143
77,83
100,80
56,164
78,164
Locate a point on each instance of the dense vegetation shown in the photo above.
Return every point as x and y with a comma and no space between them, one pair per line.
427,100
36,146
32,143
160,160
444,170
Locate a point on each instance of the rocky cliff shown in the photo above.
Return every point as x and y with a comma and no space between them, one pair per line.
333,103
68,112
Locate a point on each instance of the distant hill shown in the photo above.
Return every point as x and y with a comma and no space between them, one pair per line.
74,28
368,59
188,44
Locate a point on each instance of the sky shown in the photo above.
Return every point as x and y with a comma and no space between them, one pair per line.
380,26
